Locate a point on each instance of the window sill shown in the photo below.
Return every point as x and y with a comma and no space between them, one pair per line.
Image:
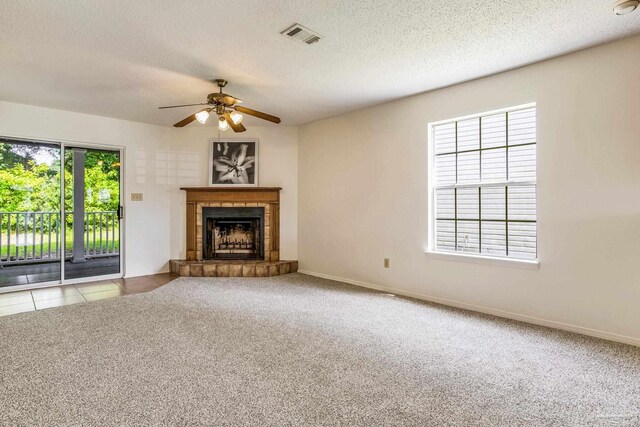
486,260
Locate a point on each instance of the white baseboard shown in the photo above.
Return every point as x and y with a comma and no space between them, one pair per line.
486,310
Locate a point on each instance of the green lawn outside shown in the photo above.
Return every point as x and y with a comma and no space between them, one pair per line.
101,239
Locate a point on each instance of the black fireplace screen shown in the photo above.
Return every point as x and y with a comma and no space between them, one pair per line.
232,233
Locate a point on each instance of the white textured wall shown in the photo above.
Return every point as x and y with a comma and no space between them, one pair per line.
278,158
147,222
363,194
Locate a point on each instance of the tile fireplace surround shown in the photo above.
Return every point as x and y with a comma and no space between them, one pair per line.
267,198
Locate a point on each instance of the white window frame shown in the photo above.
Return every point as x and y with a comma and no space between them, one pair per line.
461,256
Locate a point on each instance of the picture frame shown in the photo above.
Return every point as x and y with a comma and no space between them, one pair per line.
233,162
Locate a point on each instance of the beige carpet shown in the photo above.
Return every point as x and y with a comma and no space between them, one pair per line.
297,350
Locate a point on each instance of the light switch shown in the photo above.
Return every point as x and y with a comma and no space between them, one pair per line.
136,197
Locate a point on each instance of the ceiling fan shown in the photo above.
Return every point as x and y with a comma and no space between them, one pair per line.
225,108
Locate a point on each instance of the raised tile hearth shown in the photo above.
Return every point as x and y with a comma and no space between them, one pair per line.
232,268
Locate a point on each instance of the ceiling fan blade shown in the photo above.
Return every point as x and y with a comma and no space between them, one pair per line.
176,106
258,114
185,122
236,127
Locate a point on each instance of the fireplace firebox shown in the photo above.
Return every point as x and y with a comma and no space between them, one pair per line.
232,233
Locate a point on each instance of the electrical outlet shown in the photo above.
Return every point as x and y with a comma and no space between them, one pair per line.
136,197
386,263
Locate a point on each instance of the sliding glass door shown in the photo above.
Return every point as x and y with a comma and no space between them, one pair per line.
30,214
92,212
60,213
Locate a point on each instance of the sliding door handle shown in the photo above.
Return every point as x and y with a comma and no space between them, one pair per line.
120,212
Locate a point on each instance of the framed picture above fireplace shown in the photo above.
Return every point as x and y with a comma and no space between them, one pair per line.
233,163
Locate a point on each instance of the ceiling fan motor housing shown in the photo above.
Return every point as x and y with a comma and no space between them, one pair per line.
213,97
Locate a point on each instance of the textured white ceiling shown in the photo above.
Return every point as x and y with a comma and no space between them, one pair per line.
124,58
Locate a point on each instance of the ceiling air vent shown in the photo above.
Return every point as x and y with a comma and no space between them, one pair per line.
301,34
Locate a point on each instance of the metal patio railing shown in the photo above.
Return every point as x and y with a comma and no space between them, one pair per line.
28,237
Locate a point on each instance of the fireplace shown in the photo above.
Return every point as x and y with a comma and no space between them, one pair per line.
256,213
227,224
224,224
232,233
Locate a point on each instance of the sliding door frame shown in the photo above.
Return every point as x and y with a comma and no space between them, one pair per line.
63,144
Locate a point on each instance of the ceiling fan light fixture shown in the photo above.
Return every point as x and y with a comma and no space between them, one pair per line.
236,117
222,124
622,7
202,116
222,106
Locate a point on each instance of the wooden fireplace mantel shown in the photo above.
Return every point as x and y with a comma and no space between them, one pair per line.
265,197
234,189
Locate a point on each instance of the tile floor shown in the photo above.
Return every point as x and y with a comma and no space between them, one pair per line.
40,299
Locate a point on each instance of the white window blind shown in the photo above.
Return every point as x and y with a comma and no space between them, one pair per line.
484,185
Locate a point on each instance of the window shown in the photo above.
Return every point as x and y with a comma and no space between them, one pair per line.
484,184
